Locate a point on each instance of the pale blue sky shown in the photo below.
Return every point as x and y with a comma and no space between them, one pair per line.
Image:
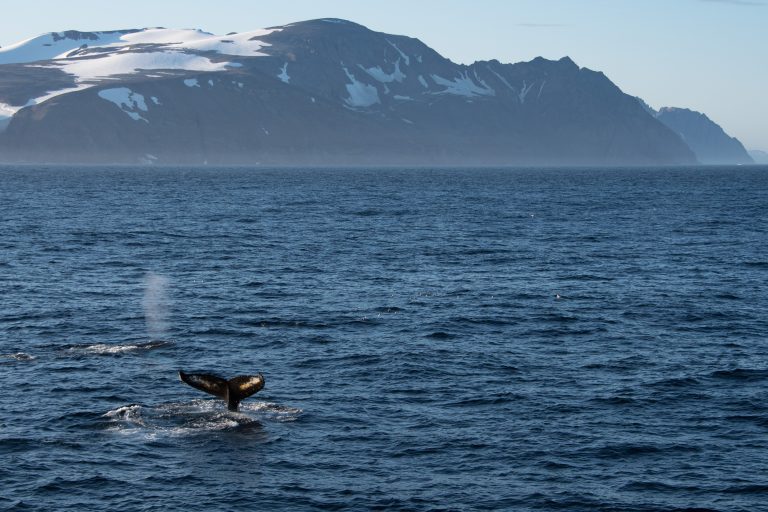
708,55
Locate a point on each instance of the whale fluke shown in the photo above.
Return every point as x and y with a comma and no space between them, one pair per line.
232,391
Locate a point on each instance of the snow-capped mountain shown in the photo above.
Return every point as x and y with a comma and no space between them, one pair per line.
320,92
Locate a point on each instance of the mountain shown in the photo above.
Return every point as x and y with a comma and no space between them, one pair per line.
319,92
760,157
706,138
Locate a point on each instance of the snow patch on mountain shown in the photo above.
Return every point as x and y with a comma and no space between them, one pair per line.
53,45
378,74
405,57
245,44
284,74
360,94
166,36
503,80
463,86
8,111
524,91
126,100
191,82
56,46
108,65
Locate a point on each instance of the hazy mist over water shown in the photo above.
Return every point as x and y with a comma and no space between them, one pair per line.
552,339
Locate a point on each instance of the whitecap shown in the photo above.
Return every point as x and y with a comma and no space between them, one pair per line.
195,417
18,356
272,411
113,349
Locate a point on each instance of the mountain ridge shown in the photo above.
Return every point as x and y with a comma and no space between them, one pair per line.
317,92
709,142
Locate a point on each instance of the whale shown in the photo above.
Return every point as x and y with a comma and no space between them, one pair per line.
232,391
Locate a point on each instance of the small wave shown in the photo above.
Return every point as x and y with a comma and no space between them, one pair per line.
675,382
439,335
115,349
750,418
747,489
60,484
626,450
282,323
349,359
658,487
367,213
388,309
487,321
554,465
10,445
419,451
494,399
585,277
18,356
44,315
484,250
215,331
321,340
615,400
742,374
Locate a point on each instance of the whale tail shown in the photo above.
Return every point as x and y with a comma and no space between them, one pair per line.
232,391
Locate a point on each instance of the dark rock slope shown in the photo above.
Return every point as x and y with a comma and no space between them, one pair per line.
321,92
706,138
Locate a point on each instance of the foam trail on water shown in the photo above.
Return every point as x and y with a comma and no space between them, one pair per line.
156,305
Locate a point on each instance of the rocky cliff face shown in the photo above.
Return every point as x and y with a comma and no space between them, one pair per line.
707,139
321,92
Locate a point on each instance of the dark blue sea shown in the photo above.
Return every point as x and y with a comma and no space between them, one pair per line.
478,339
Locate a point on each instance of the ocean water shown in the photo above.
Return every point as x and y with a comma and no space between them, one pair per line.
562,339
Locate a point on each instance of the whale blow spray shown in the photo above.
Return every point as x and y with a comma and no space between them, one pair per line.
156,305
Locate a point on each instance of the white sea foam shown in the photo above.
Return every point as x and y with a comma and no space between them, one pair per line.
114,349
195,417
18,356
